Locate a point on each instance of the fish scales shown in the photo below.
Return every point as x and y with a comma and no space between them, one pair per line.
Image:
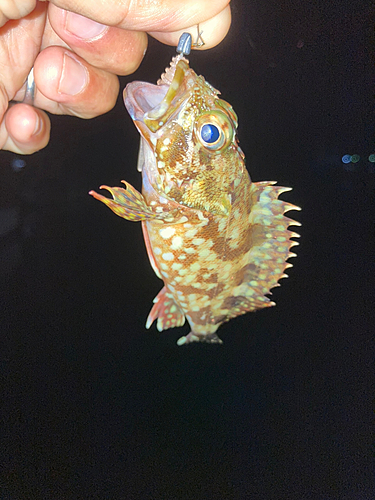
217,240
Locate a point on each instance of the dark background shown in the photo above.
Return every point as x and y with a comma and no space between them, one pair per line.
96,407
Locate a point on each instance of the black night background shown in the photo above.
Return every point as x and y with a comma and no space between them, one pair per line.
93,405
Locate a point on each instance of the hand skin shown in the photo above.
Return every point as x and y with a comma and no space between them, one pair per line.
77,48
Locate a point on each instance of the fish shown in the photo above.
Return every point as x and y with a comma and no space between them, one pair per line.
219,241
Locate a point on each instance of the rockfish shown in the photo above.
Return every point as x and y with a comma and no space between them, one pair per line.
218,241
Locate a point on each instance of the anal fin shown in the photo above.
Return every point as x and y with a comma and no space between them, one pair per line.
166,311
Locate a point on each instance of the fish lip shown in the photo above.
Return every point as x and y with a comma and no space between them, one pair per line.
142,97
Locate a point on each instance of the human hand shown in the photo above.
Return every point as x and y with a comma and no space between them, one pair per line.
76,59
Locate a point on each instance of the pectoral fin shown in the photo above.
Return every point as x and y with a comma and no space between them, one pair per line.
127,203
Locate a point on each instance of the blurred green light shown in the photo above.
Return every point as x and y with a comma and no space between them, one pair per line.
371,158
355,158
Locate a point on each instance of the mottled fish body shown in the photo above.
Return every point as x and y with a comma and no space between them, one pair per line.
218,241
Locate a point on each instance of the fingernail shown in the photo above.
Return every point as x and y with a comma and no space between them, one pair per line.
83,27
74,76
38,126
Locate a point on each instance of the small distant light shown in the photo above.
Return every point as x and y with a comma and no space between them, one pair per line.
18,164
355,158
371,158
346,158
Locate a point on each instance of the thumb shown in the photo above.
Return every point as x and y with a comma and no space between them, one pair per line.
23,128
140,15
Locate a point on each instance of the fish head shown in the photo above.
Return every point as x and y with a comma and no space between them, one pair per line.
189,146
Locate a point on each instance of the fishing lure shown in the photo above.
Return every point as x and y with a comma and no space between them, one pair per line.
219,241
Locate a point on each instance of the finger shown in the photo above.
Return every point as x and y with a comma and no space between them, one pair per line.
15,9
141,15
112,49
66,84
213,31
19,45
24,129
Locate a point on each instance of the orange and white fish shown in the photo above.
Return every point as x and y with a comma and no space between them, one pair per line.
219,241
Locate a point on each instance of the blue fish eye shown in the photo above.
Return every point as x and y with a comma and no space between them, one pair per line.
210,133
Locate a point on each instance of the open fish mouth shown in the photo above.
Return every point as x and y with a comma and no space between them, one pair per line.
153,105
142,97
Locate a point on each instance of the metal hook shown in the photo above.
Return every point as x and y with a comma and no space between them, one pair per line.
185,43
199,41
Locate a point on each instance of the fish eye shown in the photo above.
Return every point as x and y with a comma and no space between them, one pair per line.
214,130
210,133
